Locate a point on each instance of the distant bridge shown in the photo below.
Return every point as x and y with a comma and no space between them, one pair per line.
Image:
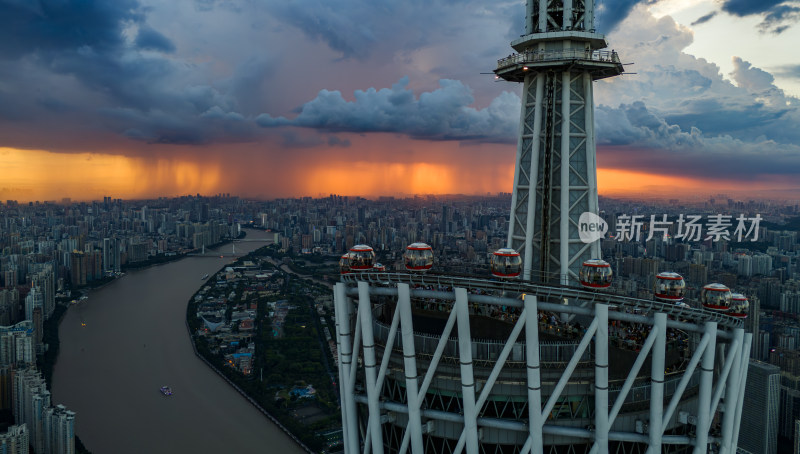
221,254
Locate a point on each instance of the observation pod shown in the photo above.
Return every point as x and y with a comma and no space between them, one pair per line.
669,287
344,264
716,297
506,263
739,305
596,273
362,258
379,267
418,257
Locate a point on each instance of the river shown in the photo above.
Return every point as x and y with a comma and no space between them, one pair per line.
129,339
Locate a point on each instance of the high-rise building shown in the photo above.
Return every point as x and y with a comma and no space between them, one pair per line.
9,306
796,449
753,325
761,397
15,440
788,361
59,430
16,351
16,344
34,299
111,255
79,264
44,280
31,398
51,430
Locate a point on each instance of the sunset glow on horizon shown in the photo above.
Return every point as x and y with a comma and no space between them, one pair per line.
37,175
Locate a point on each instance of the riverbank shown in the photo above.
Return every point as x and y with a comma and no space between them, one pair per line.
124,343
47,361
246,396
282,340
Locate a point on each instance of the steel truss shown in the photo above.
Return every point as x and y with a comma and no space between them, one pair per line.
372,422
555,178
554,174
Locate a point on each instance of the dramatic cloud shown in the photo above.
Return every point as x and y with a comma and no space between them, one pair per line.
611,12
149,39
780,18
777,15
747,7
634,138
115,62
752,79
792,71
704,19
680,115
442,114
50,26
358,28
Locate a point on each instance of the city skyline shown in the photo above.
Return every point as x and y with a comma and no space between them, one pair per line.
268,100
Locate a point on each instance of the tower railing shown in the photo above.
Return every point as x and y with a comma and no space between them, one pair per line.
554,354
428,283
538,56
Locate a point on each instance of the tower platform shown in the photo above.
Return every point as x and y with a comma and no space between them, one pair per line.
440,363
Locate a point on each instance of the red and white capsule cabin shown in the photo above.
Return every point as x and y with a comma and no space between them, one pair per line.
669,287
418,257
344,264
716,297
596,274
739,306
362,258
506,263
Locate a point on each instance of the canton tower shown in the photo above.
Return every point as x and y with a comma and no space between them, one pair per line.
431,362
555,178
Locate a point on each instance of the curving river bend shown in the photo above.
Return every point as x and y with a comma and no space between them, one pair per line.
134,341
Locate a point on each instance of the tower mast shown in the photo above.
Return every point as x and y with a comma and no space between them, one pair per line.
555,177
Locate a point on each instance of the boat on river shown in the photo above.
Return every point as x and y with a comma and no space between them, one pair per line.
166,390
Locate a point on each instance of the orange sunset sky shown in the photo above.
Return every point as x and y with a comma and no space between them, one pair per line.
433,168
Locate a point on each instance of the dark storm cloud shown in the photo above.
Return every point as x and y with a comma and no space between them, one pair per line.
641,139
53,25
704,19
334,141
149,39
780,18
140,95
792,71
778,15
680,116
610,13
357,28
168,128
747,123
748,7
442,114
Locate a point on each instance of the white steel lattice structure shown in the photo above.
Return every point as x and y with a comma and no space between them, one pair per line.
442,364
555,178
